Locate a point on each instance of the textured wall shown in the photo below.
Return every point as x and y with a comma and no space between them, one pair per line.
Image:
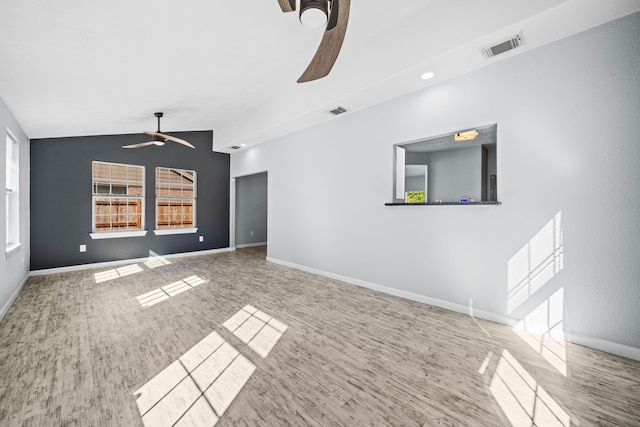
61,217
568,157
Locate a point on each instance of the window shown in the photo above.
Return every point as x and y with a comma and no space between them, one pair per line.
12,198
415,197
175,199
118,197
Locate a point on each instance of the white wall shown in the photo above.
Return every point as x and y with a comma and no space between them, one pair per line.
14,268
456,174
569,131
415,183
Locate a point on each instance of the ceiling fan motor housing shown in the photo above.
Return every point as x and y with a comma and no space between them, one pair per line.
312,11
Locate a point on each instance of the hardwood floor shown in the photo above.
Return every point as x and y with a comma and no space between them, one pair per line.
75,347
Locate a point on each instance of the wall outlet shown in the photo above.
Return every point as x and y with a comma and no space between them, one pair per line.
251,233
201,238
83,248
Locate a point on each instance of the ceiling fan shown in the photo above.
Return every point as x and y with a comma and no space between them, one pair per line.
159,138
314,14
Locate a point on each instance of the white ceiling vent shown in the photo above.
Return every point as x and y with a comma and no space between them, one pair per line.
338,110
503,46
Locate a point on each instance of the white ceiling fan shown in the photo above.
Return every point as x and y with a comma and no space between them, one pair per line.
159,138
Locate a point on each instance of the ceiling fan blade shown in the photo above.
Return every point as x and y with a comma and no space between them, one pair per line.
142,144
287,5
331,43
171,138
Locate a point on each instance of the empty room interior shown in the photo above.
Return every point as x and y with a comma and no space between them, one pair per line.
320,213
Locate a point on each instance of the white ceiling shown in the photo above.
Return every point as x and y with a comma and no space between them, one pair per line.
76,67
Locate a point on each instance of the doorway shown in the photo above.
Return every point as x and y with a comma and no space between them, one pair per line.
251,210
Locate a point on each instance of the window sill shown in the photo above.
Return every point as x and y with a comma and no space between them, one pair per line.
12,248
167,231
117,234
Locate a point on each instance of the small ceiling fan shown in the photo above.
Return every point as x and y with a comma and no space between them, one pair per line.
159,138
314,14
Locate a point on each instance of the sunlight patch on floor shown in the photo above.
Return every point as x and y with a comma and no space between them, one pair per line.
197,388
523,401
105,276
156,261
172,289
257,329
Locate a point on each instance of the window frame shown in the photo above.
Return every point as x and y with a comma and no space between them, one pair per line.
109,234
194,199
12,193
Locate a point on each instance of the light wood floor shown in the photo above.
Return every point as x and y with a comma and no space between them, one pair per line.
73,352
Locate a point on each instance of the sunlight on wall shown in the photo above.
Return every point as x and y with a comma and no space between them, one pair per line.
543,330
168,291
156,260
535,264
197,388
522,399
105,276
257,329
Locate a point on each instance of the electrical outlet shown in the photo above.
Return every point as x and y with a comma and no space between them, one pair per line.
201,238
83,248
251,233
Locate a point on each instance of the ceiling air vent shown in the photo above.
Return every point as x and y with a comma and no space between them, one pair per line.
235,147
338,110
504,46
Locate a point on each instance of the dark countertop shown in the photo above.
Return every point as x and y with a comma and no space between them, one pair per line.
446,204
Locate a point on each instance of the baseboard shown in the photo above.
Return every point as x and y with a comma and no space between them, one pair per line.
12,298
55,270
603,345
595,343
403,294
251,245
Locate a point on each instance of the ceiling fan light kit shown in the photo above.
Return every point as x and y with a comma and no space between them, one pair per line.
159,138
316,13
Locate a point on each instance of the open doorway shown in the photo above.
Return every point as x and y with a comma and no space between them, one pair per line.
251,210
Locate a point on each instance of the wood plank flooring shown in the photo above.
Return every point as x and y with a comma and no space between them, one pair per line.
74,351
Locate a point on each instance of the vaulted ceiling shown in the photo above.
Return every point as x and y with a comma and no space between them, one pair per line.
74,67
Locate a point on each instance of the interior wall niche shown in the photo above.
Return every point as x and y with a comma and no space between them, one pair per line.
458,167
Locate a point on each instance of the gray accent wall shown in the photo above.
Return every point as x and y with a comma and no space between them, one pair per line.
14,268
569,171
251,209
61,199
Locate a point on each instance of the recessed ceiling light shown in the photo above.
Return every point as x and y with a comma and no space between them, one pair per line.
243,145
427,76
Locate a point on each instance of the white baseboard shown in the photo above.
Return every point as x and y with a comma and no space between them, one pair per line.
603,345
251,245
47,271
12,298
595,343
